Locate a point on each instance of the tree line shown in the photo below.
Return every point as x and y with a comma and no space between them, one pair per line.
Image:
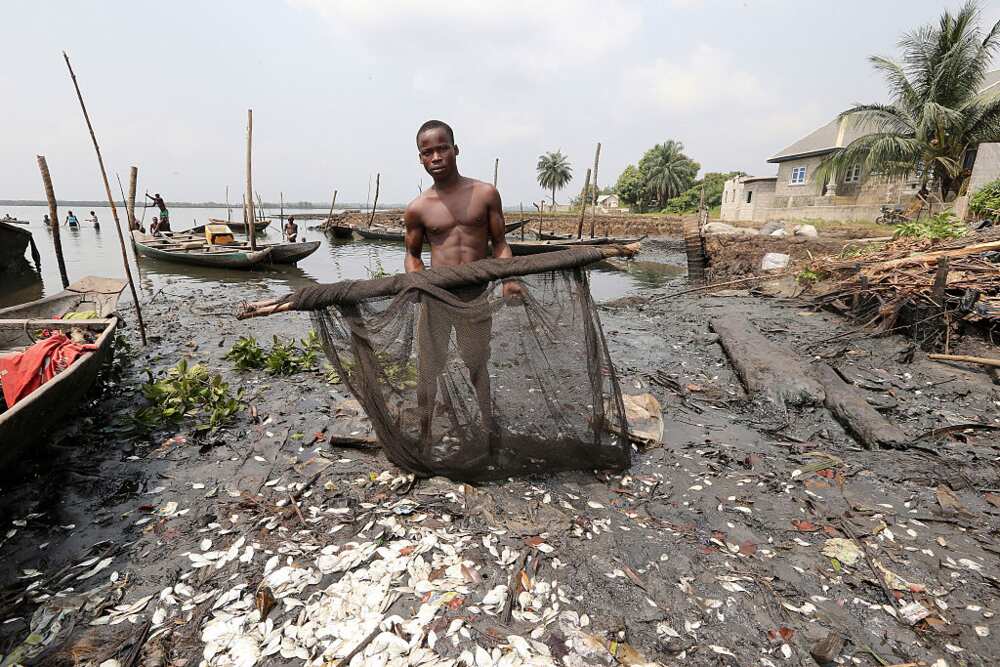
665,179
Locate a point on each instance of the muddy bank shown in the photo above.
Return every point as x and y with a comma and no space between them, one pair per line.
754,534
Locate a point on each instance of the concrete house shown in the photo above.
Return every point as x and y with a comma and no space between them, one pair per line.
610,204
795,194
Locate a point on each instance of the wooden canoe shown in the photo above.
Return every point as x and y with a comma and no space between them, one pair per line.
23,425
13,242
534,247
241,227
281,253
14,221
387,234
195,253
340,231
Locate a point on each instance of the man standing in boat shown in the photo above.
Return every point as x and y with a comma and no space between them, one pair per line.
164,213
459,217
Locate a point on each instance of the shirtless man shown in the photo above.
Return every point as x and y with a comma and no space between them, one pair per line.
164,212
459,217
291,230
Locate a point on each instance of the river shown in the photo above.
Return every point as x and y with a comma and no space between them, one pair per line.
90,251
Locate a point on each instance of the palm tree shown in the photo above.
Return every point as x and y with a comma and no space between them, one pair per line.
937,110
667,171
554,172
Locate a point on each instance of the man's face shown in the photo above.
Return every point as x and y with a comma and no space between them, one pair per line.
437,153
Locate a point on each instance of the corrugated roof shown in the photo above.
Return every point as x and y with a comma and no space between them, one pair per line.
828,137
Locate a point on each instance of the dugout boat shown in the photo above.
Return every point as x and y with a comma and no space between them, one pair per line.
281,253
23,423
13,243
520,248
260,226
377,233
197,252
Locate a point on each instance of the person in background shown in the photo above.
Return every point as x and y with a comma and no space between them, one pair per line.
154,226
46,221
164,213
291,230
93,219
71,220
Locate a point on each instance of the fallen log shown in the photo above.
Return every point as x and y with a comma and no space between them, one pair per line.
765,369
862,421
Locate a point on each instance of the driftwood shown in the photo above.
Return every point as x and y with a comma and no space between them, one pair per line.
765,369
984,361
862,421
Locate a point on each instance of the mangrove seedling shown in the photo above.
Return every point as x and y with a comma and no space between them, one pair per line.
188,392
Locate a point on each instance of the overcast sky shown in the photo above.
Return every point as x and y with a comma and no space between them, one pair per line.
338,87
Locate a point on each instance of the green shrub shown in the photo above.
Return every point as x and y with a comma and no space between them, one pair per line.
986,200
188,392
282,359
944,225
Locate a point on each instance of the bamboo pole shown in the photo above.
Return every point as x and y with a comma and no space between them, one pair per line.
111,203
371,218
593,210
251,226
133,179
496,171
281,210
53,218
229,209
521,205
541,207
583,205
332,204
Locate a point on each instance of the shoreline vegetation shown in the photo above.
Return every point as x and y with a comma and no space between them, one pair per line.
187,204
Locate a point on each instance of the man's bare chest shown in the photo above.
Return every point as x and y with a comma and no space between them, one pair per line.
441,217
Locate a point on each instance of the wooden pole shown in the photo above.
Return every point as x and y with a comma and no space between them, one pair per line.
593,210
496,171
251,227
229,209
133,179
368,198
111,203
371,218
281,209
260,206
541,207
521,205
583,205
53,218
332,204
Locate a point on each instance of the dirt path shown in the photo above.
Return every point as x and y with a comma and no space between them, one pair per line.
750,537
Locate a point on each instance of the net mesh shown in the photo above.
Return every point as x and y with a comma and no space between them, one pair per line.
464,383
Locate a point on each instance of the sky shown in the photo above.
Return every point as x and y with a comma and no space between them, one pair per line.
339,87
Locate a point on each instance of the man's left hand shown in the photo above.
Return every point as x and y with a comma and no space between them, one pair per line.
513,289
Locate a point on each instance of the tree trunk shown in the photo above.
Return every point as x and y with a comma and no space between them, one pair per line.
553,198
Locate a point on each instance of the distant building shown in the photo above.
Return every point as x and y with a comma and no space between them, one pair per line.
610,204
856,195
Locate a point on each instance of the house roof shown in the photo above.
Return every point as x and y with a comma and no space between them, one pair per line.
822,141
604,198
829,137
757,179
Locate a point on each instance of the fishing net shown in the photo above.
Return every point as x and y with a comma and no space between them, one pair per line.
460,381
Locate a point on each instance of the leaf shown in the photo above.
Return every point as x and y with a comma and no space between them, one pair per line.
993,499
805,526
748,548
949,501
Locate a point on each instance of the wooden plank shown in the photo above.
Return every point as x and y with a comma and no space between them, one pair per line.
851,410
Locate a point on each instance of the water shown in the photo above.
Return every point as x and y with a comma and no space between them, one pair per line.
89,251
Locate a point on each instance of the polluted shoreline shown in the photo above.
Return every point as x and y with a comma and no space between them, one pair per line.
759,532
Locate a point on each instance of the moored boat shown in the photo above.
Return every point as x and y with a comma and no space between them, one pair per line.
535,247
387,234
241,227
13,242
281,253
23,423
197,252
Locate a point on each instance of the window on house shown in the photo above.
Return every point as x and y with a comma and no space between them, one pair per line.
969,160
798,175
853,174
749,195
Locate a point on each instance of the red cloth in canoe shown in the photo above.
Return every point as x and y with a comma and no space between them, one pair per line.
24,372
